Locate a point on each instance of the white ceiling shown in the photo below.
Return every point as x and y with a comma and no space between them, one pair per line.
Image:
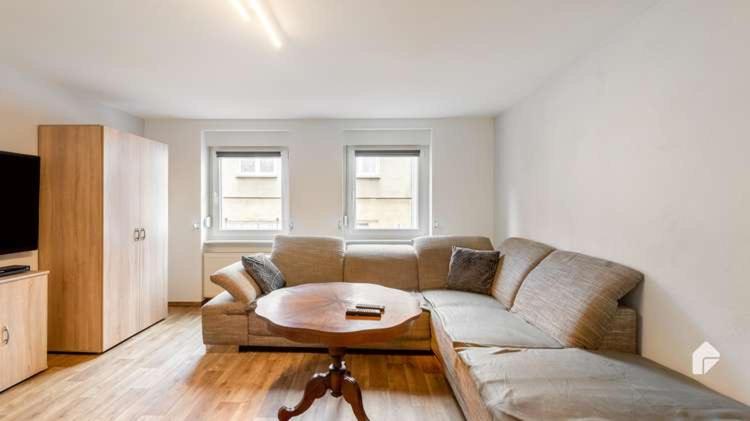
342,58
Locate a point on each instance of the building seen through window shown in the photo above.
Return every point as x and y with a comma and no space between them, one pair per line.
251,193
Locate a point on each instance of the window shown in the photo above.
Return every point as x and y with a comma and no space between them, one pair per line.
249,193
387,192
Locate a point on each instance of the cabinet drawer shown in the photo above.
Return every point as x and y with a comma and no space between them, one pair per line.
23,329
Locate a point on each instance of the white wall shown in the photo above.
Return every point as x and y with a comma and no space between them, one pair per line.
639,153
26,102
462,162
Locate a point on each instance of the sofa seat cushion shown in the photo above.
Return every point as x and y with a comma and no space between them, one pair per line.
471,319
574,297
390,265
574,383
438,298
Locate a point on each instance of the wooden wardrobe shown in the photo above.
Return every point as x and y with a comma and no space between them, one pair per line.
103,234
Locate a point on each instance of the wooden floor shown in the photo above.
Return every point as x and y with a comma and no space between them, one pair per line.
166,373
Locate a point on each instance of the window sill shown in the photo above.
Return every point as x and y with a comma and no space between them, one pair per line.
257,176
238,242
237,246
407,242
229,245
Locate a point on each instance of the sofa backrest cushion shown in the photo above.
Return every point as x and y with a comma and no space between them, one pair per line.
390,265
305,260
434,256
235,280
573,297
520,257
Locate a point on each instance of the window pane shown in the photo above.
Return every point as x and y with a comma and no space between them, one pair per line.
367,166
248,166
390,200
266,166
250,203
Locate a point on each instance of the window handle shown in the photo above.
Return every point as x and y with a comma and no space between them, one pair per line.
136,234
143,233
6,335
346,220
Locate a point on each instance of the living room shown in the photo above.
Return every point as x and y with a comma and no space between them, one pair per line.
274,209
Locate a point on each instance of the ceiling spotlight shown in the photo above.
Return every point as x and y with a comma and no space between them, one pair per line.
267,20
240,9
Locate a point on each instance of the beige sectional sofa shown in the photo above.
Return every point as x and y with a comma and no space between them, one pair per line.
533,349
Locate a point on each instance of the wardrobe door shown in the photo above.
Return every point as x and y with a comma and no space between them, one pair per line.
23,328
154,199
122,202
70,234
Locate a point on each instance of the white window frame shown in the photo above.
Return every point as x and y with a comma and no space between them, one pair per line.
422,185
214,231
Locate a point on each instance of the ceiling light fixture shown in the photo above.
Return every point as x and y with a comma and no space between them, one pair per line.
267,20
240,9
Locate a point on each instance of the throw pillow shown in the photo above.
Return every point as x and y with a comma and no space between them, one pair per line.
472,270
266,274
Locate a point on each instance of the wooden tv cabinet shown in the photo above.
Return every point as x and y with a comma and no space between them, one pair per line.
23,327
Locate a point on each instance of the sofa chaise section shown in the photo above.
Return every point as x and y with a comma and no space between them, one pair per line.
531,375
575,383
462,321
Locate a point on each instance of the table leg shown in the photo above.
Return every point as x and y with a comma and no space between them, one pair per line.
353,395
338,380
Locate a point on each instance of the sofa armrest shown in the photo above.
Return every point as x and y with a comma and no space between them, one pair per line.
224,320
235,280
225,304
623,332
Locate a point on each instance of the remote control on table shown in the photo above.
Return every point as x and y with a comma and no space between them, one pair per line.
354,311
371,307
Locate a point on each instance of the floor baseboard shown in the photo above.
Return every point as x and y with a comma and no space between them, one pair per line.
315,350
185,303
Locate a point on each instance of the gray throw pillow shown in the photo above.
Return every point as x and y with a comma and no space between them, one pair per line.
266,274
472,270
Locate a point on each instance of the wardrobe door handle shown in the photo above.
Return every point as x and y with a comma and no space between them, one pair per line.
143,233
136,234
6,335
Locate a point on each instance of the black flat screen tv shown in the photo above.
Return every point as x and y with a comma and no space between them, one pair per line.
19,202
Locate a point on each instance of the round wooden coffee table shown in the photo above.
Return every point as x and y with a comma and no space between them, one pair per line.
316,314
